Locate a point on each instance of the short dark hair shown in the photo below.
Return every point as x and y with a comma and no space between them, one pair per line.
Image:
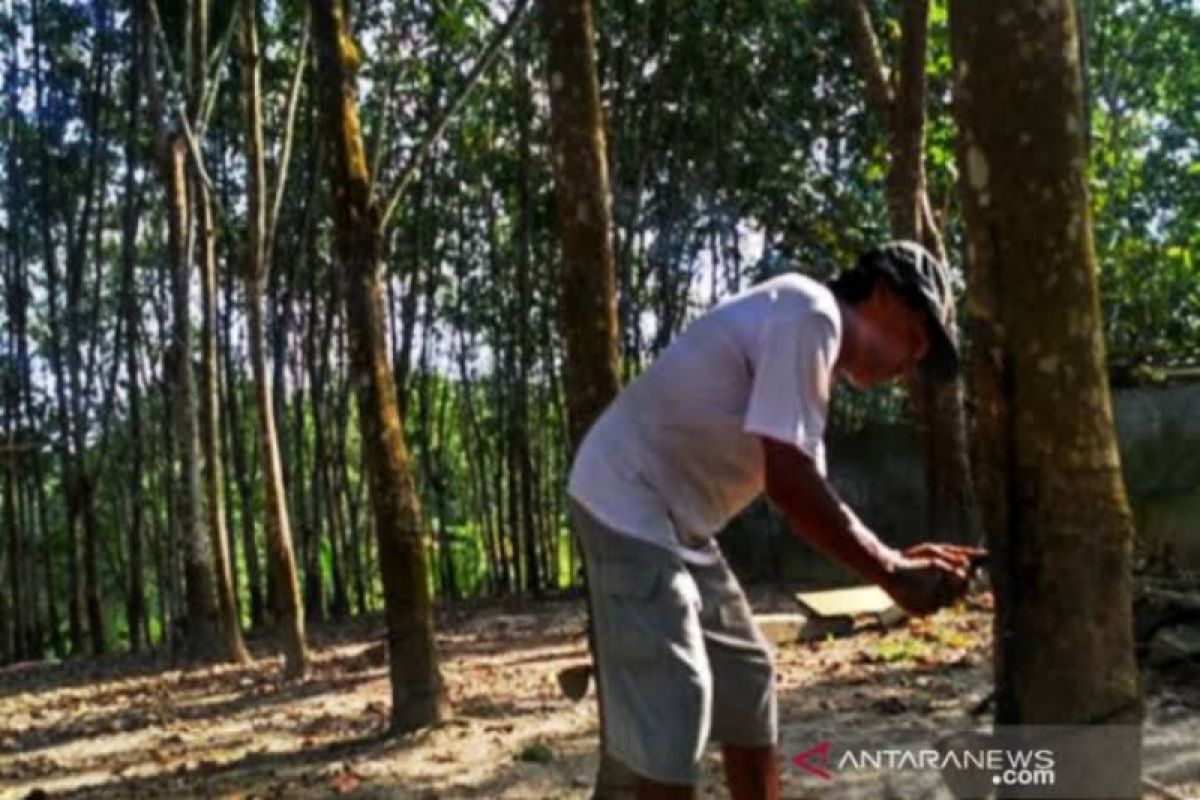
854,285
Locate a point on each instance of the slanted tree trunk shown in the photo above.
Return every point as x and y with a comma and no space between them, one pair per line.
209,410
418,693
587,278
1049,474
206,633
285,590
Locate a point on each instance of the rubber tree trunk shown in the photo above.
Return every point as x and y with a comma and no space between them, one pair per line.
135,592
15,613
202,635
241,467
418,692
284,589
587,278
287,610
938,409
210,433
1049,473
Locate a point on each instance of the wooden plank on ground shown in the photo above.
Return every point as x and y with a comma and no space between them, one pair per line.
852,602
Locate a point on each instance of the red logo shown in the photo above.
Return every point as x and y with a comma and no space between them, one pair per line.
814,760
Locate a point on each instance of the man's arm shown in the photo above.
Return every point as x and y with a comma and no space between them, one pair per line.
819,515
921,579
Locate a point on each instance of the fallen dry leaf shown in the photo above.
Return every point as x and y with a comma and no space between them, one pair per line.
345,782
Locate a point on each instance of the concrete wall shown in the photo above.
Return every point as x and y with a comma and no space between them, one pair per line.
1160,455
878,472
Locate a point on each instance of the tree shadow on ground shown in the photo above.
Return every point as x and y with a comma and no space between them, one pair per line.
257,774
148,698
194,709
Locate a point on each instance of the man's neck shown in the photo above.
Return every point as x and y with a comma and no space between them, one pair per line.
848,350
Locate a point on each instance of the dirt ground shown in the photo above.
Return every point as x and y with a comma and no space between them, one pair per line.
127,727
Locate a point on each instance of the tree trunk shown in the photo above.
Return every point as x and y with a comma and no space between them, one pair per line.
15,613
322,376
168,539
425,429
209,416
80,359
581,183
278,292
17,441
210,432
308,506
287,609
203,632
242,472
348,502
52,615
1054,504
285,590
418,693
589,314
523,474
938,409
66,462
135,595
347,506
46,225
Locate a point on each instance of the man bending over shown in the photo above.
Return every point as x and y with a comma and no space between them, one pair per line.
737,405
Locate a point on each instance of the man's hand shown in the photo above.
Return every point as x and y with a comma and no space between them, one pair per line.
930,576
922,579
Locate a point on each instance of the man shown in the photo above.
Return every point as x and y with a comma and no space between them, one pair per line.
737,404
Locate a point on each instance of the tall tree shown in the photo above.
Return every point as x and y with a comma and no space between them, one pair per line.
16,442
210,389
587,277
242,471
418,692
519,429
899,105
72,353
208,633
1049,474
203,633
285,590
135,593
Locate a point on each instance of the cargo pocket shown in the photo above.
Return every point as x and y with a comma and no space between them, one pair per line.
632,594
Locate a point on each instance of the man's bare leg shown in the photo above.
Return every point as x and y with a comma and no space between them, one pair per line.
751,773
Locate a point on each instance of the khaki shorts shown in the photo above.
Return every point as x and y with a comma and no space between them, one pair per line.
678,656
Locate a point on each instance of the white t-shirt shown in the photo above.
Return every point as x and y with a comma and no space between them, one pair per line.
677,454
